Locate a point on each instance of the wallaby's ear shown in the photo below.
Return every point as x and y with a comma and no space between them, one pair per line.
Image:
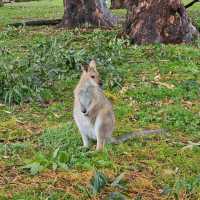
84,68
92,64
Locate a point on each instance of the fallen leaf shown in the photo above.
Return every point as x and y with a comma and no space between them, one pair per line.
191,145
167,85
118,179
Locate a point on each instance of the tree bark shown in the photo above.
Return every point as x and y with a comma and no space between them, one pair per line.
118,4
164,21
94,12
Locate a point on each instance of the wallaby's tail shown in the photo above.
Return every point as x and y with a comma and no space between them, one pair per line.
125,137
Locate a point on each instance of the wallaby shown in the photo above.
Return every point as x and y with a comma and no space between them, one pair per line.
93,113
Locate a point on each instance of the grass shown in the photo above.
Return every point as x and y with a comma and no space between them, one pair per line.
150,86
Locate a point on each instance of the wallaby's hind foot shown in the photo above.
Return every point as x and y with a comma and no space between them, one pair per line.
100,144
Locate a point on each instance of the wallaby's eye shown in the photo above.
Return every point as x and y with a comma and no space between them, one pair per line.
93,77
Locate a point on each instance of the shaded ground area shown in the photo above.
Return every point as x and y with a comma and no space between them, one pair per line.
150,87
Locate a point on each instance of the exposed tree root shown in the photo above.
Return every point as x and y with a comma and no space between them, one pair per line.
42,22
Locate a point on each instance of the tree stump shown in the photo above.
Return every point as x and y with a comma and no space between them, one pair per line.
164,21
79,12
118,4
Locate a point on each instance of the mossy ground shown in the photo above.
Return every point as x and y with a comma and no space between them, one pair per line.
160,89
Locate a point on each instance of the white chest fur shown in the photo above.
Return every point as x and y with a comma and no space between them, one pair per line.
84,124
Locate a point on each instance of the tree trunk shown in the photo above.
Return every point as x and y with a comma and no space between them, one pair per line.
164,21
118,4
79,12
1,3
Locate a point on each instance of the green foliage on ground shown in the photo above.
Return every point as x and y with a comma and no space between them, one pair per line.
150,86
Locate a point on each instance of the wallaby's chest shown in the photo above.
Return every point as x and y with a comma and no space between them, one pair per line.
85,125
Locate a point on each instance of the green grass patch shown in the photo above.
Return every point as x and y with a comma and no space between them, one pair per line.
150,86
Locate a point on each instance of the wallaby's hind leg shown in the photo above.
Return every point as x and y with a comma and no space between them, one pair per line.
103,130
83,129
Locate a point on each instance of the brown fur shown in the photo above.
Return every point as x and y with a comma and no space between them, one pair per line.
92,110
93,113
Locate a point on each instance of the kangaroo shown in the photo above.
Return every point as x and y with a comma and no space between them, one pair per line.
93,112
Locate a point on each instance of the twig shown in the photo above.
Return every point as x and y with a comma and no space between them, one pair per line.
191,3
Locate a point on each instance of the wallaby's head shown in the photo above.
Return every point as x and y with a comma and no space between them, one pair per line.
91,74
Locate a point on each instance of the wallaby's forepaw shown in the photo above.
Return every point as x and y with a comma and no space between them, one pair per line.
83,110
86,114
